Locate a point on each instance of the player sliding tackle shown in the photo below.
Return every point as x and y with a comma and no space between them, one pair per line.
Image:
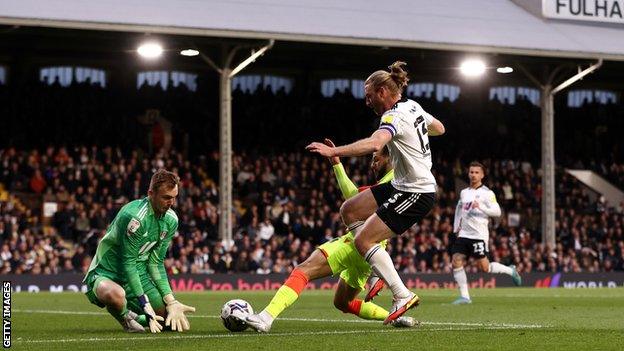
338,256
405,127
127,274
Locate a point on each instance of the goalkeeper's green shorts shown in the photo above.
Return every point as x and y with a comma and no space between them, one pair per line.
344,259
95,277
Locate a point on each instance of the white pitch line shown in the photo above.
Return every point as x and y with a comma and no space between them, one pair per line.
321,320
239,335
539,296
558,296
61,312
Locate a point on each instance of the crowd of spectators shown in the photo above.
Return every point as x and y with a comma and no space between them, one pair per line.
285,205
286,201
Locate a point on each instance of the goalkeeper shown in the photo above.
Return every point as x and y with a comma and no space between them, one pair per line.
127,274
338,256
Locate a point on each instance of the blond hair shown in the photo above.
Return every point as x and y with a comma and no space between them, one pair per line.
161,178
395,80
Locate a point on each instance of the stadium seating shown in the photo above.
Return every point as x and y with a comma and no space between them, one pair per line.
286,201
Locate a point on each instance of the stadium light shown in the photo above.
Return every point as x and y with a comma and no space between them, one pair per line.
150,50
504,70
472,67
189,52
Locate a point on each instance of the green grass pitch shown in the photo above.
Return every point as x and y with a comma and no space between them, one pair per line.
498,319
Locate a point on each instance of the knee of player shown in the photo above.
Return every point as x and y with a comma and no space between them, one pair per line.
113,295
458,261
485,267
346,212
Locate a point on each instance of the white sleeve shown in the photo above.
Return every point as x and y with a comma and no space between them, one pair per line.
428,117
458,215
491,207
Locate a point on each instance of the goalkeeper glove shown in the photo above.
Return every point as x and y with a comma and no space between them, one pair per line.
152,317
175,314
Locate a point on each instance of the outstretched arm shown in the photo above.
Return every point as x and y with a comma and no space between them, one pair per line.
365,146
175,310
347,187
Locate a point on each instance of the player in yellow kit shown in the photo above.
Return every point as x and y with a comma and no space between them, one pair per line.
338,256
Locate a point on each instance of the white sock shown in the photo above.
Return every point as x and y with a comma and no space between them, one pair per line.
382,265
496,267
266,317
462,281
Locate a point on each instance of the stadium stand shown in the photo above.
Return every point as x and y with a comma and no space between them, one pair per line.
286,201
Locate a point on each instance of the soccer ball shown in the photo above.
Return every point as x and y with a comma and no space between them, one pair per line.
234,313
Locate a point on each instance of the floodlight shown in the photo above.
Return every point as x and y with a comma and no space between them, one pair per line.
472,67
504,70
150,50
189,52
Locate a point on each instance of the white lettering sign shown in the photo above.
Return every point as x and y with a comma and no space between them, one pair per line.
610,11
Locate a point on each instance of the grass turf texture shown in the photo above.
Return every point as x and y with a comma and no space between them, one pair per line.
498,319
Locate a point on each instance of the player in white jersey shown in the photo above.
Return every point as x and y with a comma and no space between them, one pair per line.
373,215
476,205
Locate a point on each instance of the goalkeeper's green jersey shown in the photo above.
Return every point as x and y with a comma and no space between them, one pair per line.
137,240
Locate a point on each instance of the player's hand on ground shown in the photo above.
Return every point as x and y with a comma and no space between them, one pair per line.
176,316
154,324
320,149
153,319
333,160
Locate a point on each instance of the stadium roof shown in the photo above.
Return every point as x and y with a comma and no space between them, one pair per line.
511,27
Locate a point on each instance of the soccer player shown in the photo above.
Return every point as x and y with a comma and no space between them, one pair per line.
405,127
338,256
476,205
127,274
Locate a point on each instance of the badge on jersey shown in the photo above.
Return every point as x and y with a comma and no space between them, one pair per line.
387,124
133,226
387,119
163,235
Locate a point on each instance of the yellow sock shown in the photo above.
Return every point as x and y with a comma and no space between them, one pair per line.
372,311
283,298
287,293
366,310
